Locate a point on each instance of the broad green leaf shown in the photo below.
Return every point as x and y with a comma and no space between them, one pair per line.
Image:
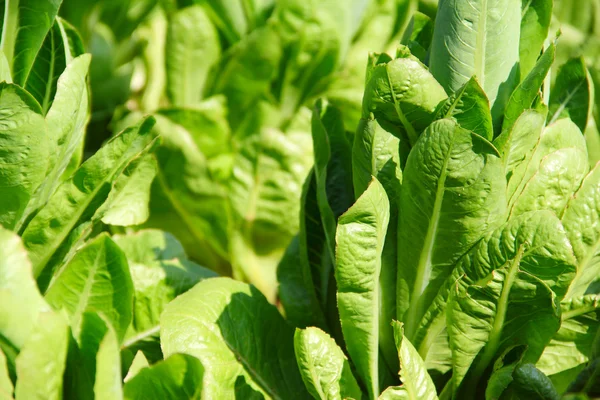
530,383
77,199
268,173
562,134
194,197
96,279
402,95
558,176
360,238
139,363
27,22
324,367
416,382
192,49
572,346
375,153
160,271
478,38
535,23
42,360
470,107
418,35
24,160
108,384
573,94
20,298
446,207
506,295
525,93
216,322
499,382
304,271
48,65
128,204
6,385
178,377
581,223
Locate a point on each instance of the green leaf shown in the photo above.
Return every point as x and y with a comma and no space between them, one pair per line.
418,35
160,271
192,49
6,385
402,95
96,279
26,26
525,93
324,367
558,176
452,194
76,200
20,298
139,363
25,159
507,295
128,204
481,39
470,107
268,173
535,22
42,360
571,347
4,69
360,238
573,94
416,382
580,221
216,322
178,377
48,65
108,382
530,383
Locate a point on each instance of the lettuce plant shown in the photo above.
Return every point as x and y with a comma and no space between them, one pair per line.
452,239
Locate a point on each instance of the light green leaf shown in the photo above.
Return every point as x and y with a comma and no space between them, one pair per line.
108,384
6,385
446,207
557,178
20,298
499,382
160,271
4,69
535,22
360,238
42,360
416,382
418,35
573,94
139,363
478,38
192,49
402,95
470,107
96,279
505,295
571,347
128,203
23,131
581,223
27,24
525,93
178,377
216,322
324,367
78,198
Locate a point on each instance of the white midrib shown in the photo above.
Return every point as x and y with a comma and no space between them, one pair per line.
480,46
424,266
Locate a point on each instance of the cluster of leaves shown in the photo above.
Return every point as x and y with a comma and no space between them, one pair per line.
447,239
